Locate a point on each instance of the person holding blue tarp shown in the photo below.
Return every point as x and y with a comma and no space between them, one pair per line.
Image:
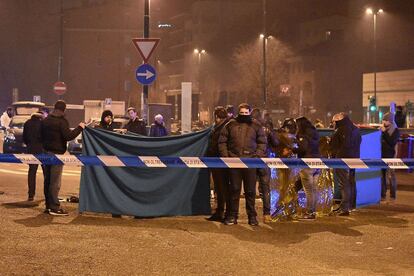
389,138
135,124
158,127
242,137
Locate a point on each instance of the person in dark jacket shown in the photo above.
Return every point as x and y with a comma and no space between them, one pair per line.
220,175
135,124
106,120
157,128
32,137
345,143
389,139
242,137
308,147
55,135
400,117
264,173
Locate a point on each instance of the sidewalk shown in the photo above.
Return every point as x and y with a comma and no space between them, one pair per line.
405,181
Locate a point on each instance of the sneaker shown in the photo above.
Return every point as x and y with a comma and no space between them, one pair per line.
116,216
59,212
30,198
230,221
253,221
215,217
267,219
46,211
308,216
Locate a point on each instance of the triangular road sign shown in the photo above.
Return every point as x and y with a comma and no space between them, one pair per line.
146,46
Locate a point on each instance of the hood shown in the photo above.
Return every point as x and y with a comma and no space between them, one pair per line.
105,114
345,122
57,113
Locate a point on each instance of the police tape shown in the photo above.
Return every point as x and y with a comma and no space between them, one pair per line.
206,162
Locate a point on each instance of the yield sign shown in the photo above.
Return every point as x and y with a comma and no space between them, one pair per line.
145,46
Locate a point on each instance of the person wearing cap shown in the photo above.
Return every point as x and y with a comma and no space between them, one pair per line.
345,143
55,135
157,128
107,119
389,139
230,111
32,137
135,124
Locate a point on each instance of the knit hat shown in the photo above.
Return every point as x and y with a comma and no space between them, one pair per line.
388,117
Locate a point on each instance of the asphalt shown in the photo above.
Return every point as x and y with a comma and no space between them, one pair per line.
378,240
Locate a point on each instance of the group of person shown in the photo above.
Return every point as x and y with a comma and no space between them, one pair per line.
46,133
247,134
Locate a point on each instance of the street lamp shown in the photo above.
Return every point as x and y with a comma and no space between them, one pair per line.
199,53
264,67
374,12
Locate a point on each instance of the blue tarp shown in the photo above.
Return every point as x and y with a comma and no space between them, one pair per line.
144,192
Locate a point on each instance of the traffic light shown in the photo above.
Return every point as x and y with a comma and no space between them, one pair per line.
372,104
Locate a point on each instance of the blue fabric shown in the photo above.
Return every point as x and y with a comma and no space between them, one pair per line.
144,192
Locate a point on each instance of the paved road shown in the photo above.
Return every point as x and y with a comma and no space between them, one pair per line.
373,241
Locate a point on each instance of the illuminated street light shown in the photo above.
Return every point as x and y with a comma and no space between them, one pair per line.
262,36
203,51
196,51
374,13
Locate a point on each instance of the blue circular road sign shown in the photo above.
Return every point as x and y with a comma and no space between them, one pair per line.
145,74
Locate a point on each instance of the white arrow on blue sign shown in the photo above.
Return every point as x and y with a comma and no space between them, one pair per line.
145,74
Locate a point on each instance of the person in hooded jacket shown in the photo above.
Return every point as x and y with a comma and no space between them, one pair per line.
220,175
32,137
389,139
6,118
263,174
308,147
157,128
345,143
107,119
242,137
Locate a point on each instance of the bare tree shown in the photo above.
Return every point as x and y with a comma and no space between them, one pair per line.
248,61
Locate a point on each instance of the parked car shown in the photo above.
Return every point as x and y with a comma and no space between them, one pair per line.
13,137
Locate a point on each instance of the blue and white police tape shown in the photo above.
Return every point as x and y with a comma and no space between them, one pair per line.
206,162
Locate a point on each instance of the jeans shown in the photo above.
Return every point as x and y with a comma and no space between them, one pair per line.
309,186
221,188
343,178
388,177
53,181
248,176
352,179
264,189
31,179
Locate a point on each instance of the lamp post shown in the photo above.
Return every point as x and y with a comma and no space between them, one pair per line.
264,38
375,12
199,54
144,98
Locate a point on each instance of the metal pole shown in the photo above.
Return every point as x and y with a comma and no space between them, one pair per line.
375,66
60,58
264,55
144,98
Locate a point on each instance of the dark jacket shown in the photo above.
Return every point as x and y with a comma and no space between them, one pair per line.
242,139
307,139
388,143
32,134
346,140
104,125
56,132
137,126
213,142
158,130
270,134
400,118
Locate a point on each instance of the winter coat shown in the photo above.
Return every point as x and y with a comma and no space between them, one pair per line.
270,134
5,120
32,134
158,130
308,143
56,132
104,125
346,140
213,142
137,126
242,139
388,143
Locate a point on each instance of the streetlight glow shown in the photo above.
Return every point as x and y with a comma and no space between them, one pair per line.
196,51
380,11
262,36
369,11
203,51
